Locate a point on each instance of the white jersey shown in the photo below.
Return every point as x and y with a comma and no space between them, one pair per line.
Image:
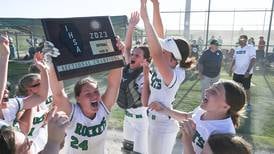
85,135
3,123
242,58
205,128
13,107
165,94
38,133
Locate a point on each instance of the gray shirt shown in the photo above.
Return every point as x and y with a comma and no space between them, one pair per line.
211,62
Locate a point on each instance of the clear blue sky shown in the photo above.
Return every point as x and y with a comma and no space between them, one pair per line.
74,8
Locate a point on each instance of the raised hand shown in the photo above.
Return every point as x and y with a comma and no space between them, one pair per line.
134,19
143,10
188,128
57,123
120,44
38,59
145,65
49,51
4,44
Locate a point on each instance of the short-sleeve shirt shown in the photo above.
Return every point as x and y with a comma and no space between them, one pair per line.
242,58
211,62
205,128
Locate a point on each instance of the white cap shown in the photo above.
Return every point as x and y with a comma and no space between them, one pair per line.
170,45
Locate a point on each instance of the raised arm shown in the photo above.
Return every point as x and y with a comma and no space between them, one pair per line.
133,21
145,89
36,99
4,60
110,96
59,95
156,51
157,20
113,82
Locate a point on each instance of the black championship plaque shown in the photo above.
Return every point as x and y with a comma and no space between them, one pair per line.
86,45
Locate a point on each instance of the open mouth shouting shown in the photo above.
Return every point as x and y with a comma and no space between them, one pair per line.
94,104
132,62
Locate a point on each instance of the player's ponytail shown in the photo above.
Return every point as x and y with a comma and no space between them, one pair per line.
235,97
235,116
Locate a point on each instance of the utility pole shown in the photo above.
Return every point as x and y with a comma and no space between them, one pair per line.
269,29
207,26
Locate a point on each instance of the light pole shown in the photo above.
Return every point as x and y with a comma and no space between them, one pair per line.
269,29
207,26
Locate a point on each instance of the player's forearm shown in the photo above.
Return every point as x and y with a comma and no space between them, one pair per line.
44,84
157,20
51,148
145,92
25,121
4,58
177,115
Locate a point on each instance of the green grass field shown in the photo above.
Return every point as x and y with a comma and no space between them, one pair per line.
258,127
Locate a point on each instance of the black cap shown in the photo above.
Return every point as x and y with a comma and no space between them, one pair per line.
243,37
214,42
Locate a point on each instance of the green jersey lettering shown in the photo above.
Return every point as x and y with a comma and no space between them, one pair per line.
49,100
37,120
75,143
198,140
90,131
155,82
31,132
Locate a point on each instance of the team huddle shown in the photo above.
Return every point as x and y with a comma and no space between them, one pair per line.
42,119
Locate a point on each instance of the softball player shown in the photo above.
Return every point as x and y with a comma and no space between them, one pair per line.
87,131
135,121
218,113
170,59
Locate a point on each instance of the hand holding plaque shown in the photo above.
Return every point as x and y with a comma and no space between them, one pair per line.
86,45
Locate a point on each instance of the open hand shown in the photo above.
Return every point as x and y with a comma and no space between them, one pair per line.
49,51
134,19
4,44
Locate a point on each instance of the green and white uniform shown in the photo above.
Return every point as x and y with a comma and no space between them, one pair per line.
13,107
162,128
205,128
85,135
39,131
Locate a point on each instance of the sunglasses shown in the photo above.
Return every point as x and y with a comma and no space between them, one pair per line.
35,85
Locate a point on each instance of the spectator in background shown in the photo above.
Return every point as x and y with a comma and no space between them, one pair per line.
244,59
209,66
220,41
251,41
261,44
194,49
212,38
200,43
261,48
12,49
